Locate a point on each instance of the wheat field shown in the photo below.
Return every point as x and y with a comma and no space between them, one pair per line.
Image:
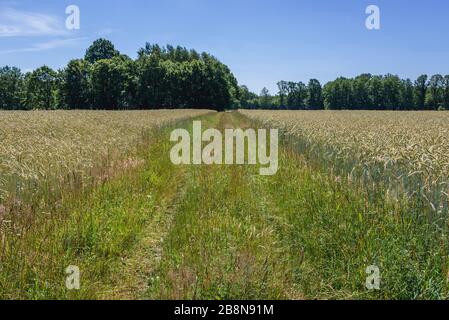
40,147
97,190
406,152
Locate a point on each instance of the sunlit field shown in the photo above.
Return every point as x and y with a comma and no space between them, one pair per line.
49,162
392,168
97,190
404,153
224,159
42,149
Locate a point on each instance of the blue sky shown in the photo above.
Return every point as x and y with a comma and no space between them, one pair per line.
262,41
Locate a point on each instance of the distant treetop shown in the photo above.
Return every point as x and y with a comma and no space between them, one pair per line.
100,49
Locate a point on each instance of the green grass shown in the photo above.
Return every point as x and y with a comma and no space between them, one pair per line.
159,231
94,231
335,233
304,234
222,244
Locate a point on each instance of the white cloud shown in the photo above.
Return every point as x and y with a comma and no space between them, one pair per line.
15,23
52,44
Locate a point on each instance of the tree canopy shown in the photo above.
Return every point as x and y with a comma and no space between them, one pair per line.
364,92
161,77
99,50
175,77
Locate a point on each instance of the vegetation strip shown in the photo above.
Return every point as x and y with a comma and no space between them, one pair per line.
93,230
160,231
337,229
221,245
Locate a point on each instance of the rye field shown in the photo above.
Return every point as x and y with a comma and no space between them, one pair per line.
43,148
405,153
355,192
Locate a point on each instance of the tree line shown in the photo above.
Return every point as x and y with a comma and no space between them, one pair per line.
291,95
364,92
160,77
174,77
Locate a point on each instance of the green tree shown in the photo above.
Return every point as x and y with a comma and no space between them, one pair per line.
221,86
177,78
297,96
330,94
284,90
315,95
152,73
41,86
435,94
100,49
376,93
360,91
76,85
391,92
446,92
421,92
265,99
151,50
407,95
11,86
112,82
247,98
338,94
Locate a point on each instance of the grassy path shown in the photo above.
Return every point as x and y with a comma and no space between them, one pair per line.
160,231
222,243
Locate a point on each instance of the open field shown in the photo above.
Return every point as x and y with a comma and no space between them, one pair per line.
353,190
405,153
396,162
44,148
